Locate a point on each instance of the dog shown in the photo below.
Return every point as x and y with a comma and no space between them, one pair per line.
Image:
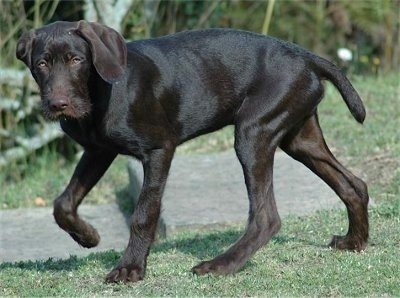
144,98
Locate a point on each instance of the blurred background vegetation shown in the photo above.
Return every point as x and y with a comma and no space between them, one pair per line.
368,28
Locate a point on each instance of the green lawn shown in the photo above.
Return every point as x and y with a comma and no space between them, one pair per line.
295,263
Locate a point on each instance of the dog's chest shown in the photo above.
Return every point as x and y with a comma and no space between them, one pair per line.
95,134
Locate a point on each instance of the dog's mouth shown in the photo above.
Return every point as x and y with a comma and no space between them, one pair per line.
53,113
57,116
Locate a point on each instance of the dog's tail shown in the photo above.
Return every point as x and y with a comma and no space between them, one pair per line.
332,73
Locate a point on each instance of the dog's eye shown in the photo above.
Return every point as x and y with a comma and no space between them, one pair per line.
42,64
76,60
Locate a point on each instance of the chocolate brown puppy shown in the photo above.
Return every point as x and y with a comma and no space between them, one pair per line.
144,98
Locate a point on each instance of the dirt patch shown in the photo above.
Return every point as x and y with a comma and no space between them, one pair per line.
379,169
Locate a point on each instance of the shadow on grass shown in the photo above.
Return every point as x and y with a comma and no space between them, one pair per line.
108,259
202,246
211,244
205,245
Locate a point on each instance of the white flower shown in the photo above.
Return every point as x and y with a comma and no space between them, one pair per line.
345,54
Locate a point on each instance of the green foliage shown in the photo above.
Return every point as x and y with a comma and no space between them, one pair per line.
46,175
368,28
18,17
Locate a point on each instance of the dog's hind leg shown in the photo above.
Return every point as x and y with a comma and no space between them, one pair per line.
255,147
307,145
262,121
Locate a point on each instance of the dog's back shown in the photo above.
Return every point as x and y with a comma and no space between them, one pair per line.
217,69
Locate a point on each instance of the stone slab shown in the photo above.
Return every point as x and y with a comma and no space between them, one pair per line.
202,191
209,190
32,234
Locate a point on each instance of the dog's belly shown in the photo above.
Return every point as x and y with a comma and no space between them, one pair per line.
198,116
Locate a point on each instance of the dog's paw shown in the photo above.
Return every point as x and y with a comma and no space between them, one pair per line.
90,239
130,273
218,266
202,268
348,243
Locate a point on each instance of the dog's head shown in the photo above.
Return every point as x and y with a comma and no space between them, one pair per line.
61,57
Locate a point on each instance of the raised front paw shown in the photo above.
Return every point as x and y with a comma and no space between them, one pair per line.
81,231
129,273
90,239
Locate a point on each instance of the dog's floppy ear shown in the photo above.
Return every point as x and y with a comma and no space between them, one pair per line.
108,49
24,47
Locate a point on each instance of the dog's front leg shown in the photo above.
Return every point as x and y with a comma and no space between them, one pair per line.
89,170
132,266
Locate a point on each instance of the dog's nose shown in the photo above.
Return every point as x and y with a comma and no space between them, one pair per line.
59,103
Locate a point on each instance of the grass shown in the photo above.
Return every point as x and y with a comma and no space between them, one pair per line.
48,176
294,263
